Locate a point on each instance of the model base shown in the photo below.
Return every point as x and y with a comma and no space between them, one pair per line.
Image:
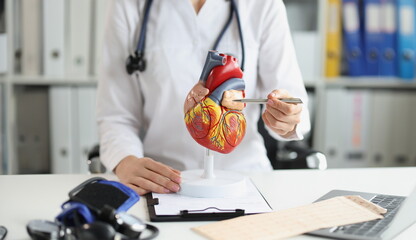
223,184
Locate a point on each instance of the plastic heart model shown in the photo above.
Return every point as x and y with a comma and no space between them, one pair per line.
209,122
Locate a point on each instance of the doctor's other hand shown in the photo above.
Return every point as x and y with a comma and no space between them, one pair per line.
145,175
279,116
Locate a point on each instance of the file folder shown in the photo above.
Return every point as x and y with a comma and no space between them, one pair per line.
100,14
85,125
412,149
73,127
388,58
3,53
372,36
381,114
61,122
307,55
333,39
2,16
31,37
2,135
357,128
16,35
32,129
3,39
335,137
406,38
353,42
79,54
400,130
54,37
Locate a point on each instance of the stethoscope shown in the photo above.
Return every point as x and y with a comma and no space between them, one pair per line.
137,61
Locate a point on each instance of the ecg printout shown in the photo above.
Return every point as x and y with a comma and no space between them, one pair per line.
333,212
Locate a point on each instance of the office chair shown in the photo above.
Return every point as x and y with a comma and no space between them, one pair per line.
93,161
291,155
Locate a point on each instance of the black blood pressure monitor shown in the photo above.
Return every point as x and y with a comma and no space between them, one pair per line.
96,210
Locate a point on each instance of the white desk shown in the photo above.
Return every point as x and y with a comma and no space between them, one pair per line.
27,197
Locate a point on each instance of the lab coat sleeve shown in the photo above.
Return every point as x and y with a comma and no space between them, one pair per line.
278,67
119,101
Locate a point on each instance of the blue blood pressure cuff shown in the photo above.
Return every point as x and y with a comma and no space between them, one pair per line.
88,200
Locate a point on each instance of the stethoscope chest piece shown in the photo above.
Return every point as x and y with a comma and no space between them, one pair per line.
135,62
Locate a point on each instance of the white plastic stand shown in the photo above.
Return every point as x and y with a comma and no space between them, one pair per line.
204,183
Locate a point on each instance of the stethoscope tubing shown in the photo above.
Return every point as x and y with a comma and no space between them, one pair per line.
137,62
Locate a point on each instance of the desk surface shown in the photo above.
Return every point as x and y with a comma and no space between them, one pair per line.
27,197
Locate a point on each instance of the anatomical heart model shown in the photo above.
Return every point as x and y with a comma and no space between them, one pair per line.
216,122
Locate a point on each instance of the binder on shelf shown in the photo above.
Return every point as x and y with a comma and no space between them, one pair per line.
3,53
85,125
344,118
54,37
346,127
32,130
79,53
3,38
333,39
16,64
100,8
406,38
381,117
312,100
31,37
388,58
357,128
2,16
372,36
2,169
306,43
400,129
334,135
412,129
73,127
61,122
352,38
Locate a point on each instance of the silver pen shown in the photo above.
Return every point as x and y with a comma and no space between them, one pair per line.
264,100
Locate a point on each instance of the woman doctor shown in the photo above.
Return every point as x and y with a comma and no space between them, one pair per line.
143,137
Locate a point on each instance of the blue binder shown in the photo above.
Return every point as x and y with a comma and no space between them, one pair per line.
406,38
352,38
372,36
388,60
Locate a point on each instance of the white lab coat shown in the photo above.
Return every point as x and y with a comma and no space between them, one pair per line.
142,114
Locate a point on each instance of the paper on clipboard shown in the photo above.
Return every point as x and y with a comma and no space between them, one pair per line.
252,202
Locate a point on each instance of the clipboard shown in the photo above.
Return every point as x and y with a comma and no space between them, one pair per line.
178,208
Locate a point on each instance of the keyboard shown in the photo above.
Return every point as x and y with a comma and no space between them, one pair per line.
375,227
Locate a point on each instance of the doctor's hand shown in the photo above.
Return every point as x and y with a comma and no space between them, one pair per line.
145,175
279,116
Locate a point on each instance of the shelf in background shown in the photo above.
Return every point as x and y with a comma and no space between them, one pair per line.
348,82
370,82
46,80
